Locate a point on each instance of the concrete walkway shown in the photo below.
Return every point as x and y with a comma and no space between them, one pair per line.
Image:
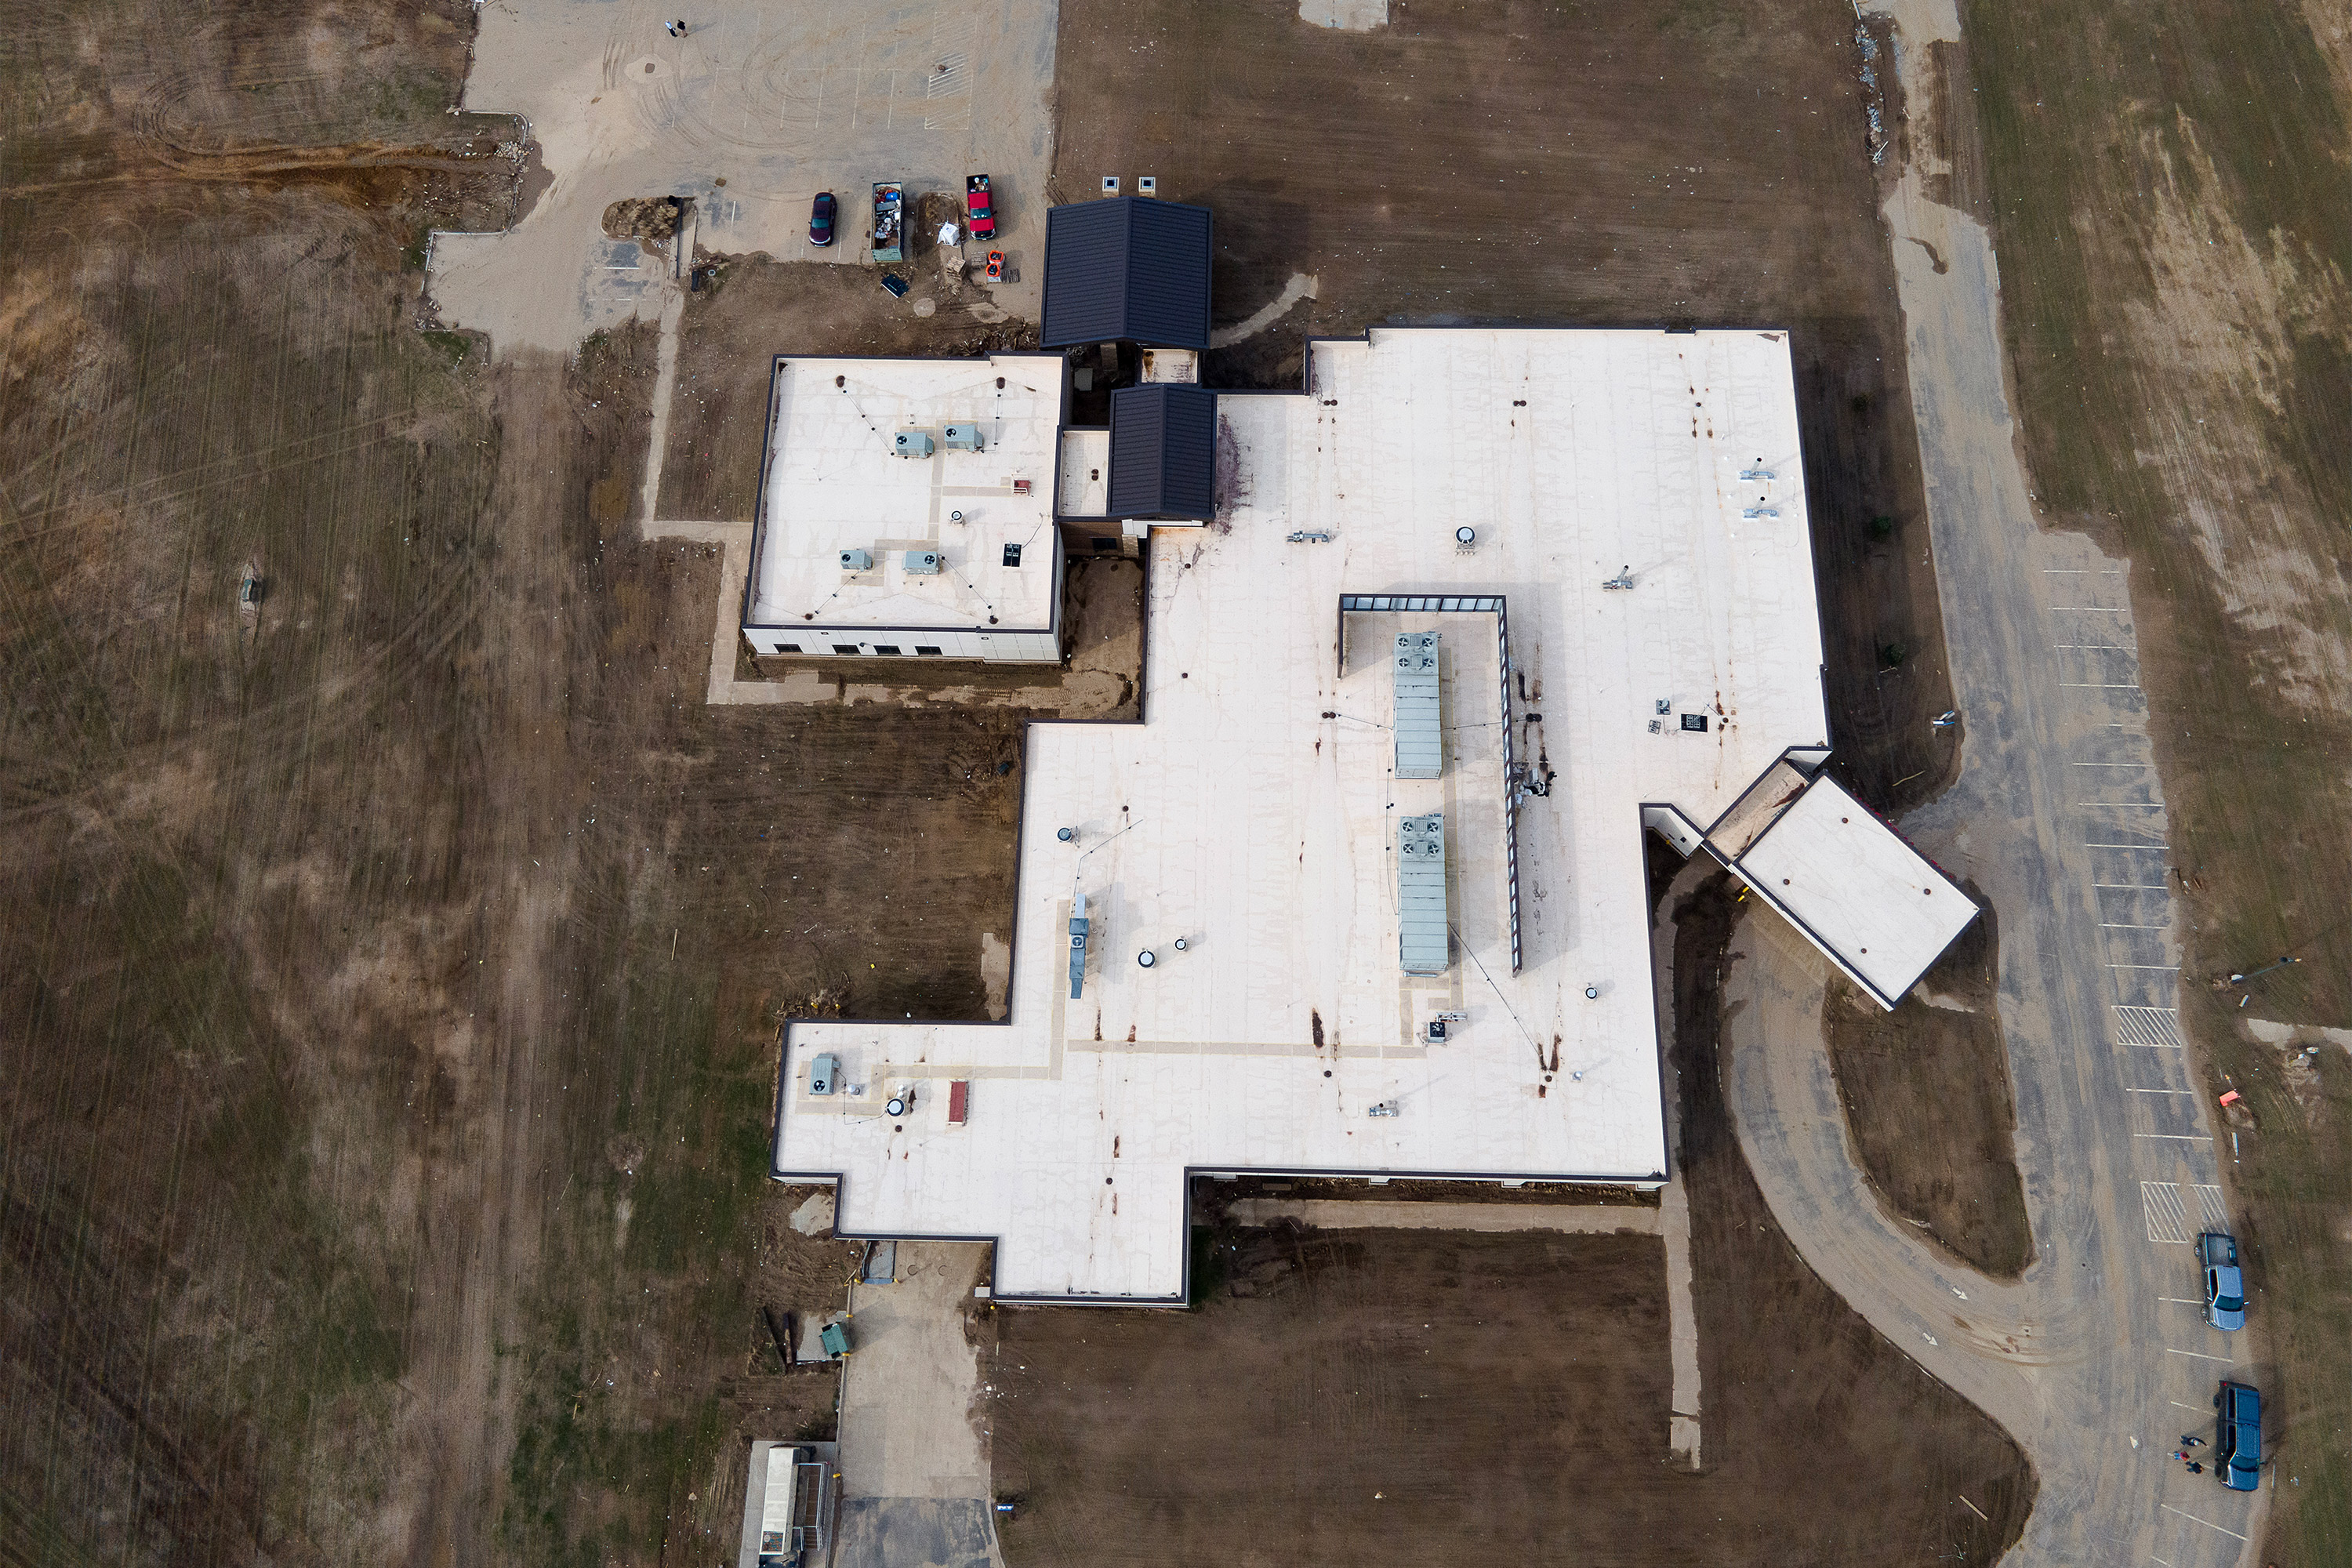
1344,1214
2098,1359
914,1465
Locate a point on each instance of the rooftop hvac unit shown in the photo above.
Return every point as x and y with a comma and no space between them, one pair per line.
923,562
1423,931
824,1073
911,444
1420,738
856,561
963,437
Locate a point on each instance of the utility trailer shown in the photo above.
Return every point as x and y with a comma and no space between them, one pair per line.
889,220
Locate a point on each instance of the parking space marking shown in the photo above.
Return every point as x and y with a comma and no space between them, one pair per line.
2148,1025
2159,1091
2135,887
2200,1355
2167,968
2175,1137
2182,1301
2200,1409
2090,846
2167,1215
2206,1522
2119,925
2211,1208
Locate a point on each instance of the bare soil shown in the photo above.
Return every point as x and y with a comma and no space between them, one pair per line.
2181,335
390,976
1927,1102
1409,1395
1700,162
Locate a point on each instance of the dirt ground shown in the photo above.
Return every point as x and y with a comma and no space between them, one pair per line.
1405,1395
1697,161
391,975
2180,333
1928,1103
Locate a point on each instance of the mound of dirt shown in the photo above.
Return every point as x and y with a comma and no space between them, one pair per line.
653,219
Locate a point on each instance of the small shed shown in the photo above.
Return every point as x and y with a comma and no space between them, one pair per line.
1163,453
1129,270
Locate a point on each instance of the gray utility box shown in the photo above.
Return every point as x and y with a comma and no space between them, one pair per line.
963,437
1420,730
912,444
824,1074
1424,946
923,562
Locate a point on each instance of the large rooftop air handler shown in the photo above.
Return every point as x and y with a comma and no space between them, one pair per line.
1419,735
1422,944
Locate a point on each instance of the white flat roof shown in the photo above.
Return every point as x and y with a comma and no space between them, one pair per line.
1862,895
833,483
1253,811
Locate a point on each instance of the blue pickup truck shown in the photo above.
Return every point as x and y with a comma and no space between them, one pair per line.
2238,1444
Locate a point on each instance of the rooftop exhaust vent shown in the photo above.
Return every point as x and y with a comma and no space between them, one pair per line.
912,444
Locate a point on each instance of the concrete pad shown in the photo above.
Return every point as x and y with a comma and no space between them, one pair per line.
756,109
915,1532
907,1430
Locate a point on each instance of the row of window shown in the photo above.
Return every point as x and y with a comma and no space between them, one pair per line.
851,650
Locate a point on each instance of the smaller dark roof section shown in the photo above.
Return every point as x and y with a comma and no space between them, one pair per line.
1163,451
1129,268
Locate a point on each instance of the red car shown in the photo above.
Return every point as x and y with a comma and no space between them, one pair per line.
978,203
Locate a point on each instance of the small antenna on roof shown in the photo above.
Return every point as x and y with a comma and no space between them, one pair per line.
1623,580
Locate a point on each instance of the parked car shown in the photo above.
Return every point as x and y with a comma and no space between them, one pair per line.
821,218
981,205
2225,1287
2238,1445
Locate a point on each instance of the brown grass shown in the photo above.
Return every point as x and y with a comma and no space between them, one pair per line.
1926,1099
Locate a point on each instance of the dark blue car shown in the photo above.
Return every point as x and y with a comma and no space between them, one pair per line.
2238,1445
820,220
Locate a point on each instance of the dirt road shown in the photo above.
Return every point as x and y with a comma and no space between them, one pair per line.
2098,1358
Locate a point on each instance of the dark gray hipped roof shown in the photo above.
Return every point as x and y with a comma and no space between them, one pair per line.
1163,451
1131,268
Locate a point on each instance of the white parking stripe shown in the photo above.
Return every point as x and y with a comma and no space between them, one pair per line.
2167,1215
2139,1026
2206,1522
2200,1355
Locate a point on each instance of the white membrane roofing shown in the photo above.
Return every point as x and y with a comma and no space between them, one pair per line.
1254,812
1869,899
833,483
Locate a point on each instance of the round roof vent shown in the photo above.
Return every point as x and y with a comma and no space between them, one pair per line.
1466,534
1145,958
